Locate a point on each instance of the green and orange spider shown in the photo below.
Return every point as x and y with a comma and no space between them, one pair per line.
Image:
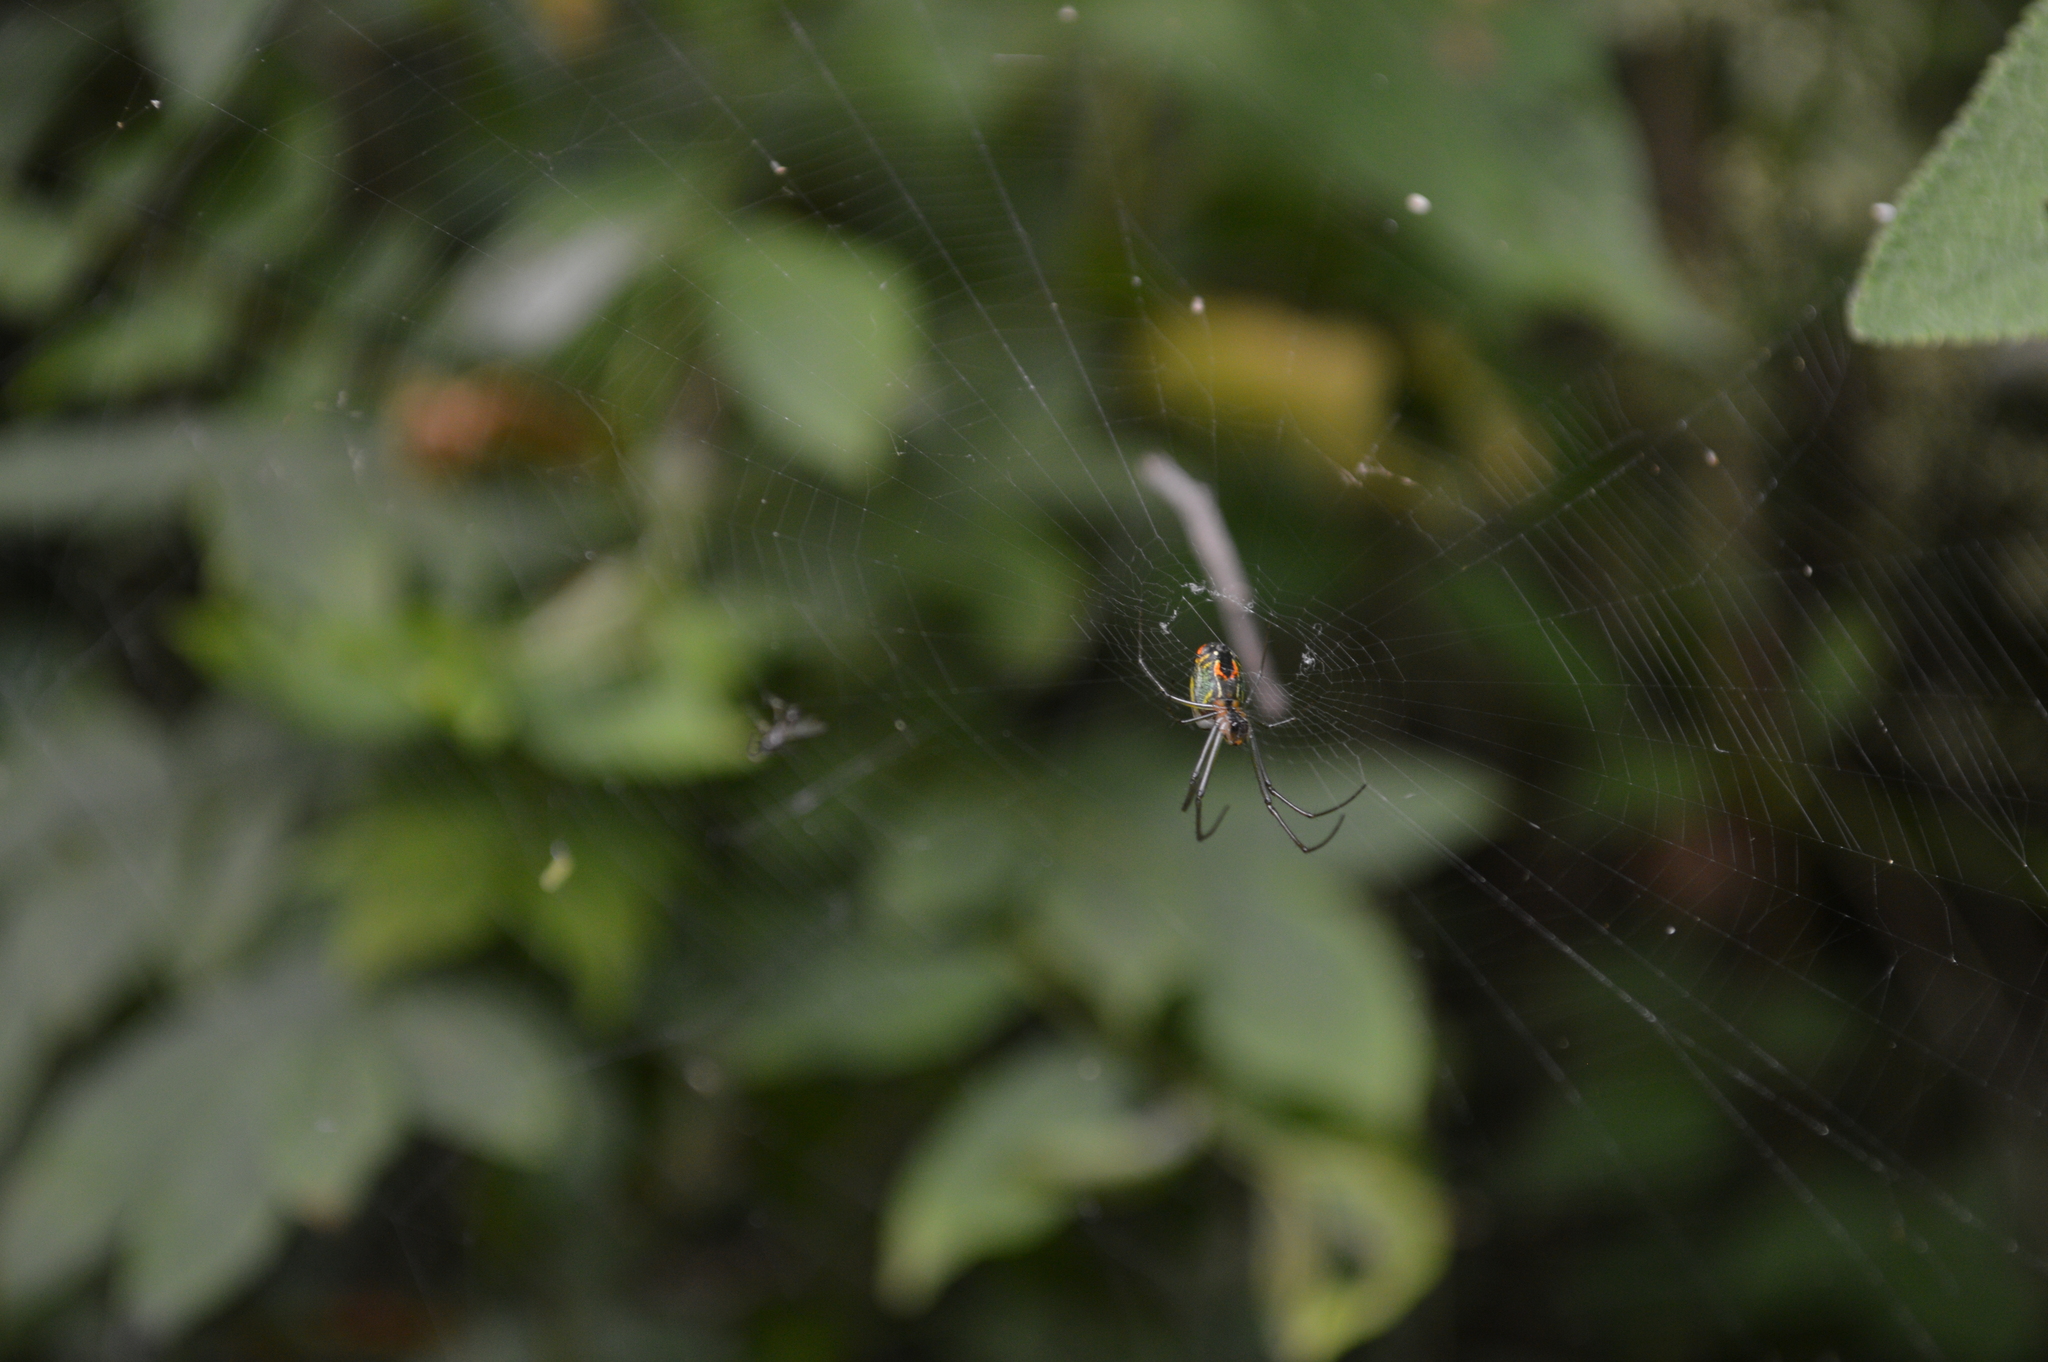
1217,692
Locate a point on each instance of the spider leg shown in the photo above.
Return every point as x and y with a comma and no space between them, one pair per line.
1198,785
1259,760
1177,699
1269,794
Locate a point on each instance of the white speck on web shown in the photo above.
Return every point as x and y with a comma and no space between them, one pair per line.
1881,213
1418,204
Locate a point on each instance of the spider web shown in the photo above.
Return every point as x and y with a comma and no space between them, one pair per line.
1721,707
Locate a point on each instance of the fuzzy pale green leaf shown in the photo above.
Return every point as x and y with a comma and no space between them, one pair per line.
818,335
1349,1237
876,1006
1966,258
483,1069
1005,1165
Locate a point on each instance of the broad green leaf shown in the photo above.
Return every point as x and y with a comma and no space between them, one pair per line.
944,866
669,719
113,475
876,1006
90,831
419,880
201,1223
537,292
307,529
566,256
175,330
1006,1164
1966,258
199,47
42,254
1306,998
236,855
483,1069
1507,119
338,1112
269,207
1419,809
593,910
1349,1237
40,52
1120,932
67,1188
819,337
1015,573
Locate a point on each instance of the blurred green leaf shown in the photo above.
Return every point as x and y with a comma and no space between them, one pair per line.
201,1222
174,330
567,253
1349,1237
183,1148
875,1006
66,1190
200,47
1966,259
338,1114
1306,997
1506,119
1842,673
1007,1163
41,50
599,923
818,334
660,712
1300,995
42,254
425,877
268,207
948,863
484,1070
128,851
420,880
1018,575
236,852
114,475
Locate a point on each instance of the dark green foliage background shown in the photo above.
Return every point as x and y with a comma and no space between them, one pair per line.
433,428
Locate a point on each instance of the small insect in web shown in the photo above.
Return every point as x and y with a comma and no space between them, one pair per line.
1217,692
789,724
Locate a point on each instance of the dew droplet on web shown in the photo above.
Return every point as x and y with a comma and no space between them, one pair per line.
1068,14
1670,930
1198,307
778,167
1807,570
1881,213
1136,282
1418,204
1713,459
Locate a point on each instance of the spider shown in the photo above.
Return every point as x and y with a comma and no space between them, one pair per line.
1217,692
